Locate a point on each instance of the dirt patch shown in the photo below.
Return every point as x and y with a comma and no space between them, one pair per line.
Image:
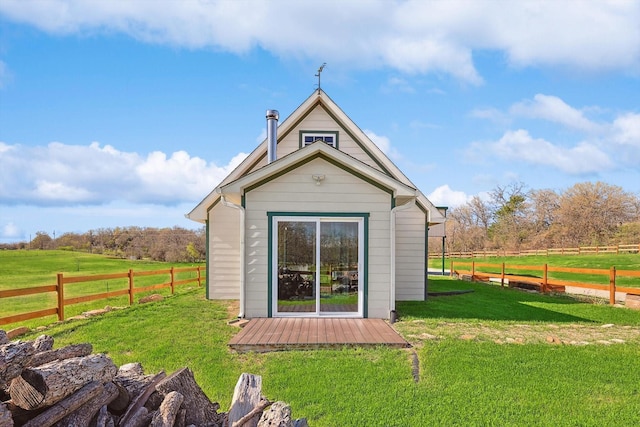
419,331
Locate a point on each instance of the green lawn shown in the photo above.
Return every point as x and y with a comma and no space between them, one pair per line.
595,261
23,269
471,381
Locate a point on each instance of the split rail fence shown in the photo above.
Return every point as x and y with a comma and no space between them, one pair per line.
63,281
582,250
504,273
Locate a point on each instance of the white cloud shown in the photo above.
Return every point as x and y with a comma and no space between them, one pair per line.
626,130
445,196
10,231
520,146
60,174
554,109
412,36
383,144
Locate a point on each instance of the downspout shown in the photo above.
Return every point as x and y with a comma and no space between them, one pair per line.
392,227
229,204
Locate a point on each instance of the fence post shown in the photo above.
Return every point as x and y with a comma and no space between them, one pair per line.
60,297
502,276
130,286
172,286
199,278
473,270
612,285
544,279
451,269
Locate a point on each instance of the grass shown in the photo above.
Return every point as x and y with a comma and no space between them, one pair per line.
23,269
462,382
595,261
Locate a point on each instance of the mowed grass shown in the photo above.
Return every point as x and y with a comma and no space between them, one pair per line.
625,261
24,269
462,382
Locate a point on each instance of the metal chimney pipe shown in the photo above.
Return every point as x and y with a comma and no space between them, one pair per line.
272,134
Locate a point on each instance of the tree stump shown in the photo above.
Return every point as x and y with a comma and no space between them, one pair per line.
200,410
42,386
246,396
166,415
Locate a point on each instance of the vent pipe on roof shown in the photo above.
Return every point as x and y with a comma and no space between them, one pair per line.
272,134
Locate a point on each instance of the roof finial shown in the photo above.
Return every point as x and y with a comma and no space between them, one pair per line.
320,72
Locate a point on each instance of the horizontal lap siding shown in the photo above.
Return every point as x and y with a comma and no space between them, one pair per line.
319,120
410,254
224,253
298,192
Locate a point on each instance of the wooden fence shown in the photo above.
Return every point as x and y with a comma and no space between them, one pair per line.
502,273
582,250
62,301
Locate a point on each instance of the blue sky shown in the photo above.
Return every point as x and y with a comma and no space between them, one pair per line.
116,113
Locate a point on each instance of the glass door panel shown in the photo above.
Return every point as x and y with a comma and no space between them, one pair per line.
318,266
339,267
296,266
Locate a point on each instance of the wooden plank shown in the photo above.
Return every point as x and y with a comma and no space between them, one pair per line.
76,300
78,279
313,331
28,316
295,333
8,293
258,331
273,334
346,331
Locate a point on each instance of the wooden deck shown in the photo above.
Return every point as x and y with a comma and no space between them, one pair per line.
277,334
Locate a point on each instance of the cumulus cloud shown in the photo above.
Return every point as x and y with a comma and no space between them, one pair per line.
61,174
383,144
445,196
10,231
520,146
412,36
554,109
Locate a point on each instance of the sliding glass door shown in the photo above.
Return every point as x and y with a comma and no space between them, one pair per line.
317,266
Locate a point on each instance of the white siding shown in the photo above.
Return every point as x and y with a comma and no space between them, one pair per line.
224,253
319,120
297,192
410,254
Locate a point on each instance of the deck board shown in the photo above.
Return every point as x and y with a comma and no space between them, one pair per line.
277,334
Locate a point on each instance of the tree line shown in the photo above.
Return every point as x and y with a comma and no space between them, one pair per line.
175,244
513,217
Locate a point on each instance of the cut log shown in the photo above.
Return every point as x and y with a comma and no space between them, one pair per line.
121,402
14,357
42,386
66,406
279,415
82,416
4,338
138,402
200,410
131,376
166,415
43,343
257,412
104,418
140,418
6,419
246,396
76,350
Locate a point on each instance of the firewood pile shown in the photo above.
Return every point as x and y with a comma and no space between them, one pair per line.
72,386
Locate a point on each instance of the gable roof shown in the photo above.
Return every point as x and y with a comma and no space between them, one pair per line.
323,151
319,99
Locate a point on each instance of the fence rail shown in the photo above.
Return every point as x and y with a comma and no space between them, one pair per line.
62,281
544,283
582,250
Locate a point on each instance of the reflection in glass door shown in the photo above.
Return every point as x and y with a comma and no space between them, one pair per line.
318,266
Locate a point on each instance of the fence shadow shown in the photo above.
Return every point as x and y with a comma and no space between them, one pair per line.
489,302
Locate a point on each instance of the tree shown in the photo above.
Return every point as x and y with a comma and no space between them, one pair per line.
509,228
41,241
591,213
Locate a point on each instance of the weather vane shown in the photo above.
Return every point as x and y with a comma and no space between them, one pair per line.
324,64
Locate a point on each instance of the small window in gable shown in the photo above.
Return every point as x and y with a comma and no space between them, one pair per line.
308,138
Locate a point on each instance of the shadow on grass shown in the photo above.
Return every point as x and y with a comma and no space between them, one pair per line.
491,302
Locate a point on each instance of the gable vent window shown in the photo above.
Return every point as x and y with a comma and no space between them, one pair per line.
308,138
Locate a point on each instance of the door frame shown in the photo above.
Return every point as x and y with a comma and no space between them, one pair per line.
317,216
